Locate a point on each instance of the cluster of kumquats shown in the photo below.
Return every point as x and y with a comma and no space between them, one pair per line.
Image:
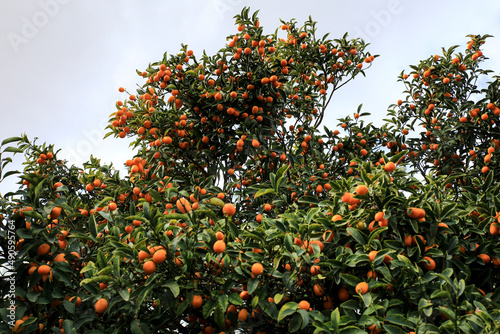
238,215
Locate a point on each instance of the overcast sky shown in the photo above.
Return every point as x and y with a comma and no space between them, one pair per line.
63,60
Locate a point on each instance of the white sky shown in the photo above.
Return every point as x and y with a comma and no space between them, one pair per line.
63,60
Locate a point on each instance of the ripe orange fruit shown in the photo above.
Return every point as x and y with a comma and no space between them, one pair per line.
243,315
408,240
197,301
379,216
343,294
267,207
149,267
257,269
371,274
43,249
136,191
495,228
336,217
228,210
485,257
304,305
328,236
327,302
361,190
219,235
219,246
431,265
55,212
347,197
390,167
160,256
315,270
415,213
183,205
372,255
255,143
44,269
143,255
78,300
362,288
318,290
101,305
112,206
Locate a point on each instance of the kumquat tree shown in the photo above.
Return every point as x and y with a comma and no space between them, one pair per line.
241,214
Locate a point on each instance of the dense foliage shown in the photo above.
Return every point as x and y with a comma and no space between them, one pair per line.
240,214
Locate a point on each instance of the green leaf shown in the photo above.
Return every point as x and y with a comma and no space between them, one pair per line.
173,286
308,200
280,174
69,306
272,178
425,306
138,327
391,329
13,150
255,301
93,226
488,181
335,319
305,318
447,312
367,299
398,320
38,189
223,302
116,266
178,216
310,214
10,140
398,156
235,231
235,299
9,173
287,309
350,304
209,307
96,279
289,243
125,294
69,327
375,232
448,209
350,279
219,317
253,283
263,192
351,330
278,298
295,324
358,236
142,295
